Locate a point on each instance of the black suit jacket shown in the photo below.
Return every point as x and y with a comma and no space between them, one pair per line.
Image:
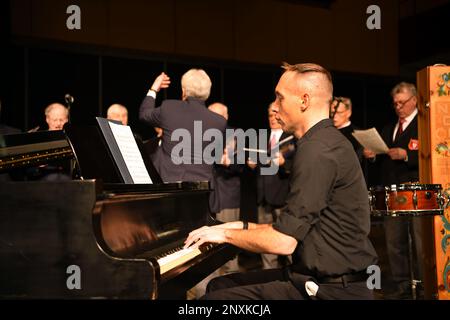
177,114
399,171
347,132
273,189
227,185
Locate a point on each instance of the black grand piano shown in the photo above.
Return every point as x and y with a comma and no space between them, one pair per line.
97,236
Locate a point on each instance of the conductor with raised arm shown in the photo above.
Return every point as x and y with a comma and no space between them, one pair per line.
326,221
182,114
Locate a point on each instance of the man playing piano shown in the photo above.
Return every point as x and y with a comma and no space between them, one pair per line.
326,220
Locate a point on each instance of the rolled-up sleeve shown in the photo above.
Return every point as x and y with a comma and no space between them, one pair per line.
314,174
148,113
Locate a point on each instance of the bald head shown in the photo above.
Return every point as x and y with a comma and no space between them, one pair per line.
118,112
220,109
56,116
304,93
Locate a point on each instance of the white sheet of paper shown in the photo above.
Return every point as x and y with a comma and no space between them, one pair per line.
371,139
130,153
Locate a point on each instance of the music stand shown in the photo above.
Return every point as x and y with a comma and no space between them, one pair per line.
98,157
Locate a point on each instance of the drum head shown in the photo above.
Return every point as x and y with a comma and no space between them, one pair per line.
414,186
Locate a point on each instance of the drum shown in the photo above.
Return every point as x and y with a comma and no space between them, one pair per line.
407,200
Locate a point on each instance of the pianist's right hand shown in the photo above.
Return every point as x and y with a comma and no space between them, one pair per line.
210,234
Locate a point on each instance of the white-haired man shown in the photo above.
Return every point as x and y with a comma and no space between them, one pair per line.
401,165
181,114
56,116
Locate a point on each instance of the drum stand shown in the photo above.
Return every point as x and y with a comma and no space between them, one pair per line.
414,282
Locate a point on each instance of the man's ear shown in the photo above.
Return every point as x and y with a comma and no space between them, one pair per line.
304,102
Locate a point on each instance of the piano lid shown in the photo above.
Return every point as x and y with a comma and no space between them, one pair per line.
31,149
135,219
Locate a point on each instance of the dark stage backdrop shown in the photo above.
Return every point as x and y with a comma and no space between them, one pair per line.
34,76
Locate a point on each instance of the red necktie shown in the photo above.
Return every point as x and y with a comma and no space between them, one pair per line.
400,128
272,141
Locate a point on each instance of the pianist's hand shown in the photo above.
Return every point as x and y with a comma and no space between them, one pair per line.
205,235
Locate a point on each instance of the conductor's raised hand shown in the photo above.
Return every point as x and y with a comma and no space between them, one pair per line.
161,82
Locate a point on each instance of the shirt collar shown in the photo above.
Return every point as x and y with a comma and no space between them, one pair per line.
409,118
345,125
276,131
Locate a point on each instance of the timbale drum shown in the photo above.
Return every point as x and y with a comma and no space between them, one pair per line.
407,200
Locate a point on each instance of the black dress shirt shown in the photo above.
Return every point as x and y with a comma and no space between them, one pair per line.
327,208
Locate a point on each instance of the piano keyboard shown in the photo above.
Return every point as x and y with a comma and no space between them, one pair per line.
178,256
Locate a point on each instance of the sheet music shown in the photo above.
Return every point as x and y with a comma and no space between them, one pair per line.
371,139
130,153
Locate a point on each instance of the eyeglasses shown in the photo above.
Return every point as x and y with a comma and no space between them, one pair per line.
401,103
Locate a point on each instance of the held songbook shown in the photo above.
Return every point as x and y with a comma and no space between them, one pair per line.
371,139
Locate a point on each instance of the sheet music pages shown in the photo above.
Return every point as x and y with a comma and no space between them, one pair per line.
130,153
371,139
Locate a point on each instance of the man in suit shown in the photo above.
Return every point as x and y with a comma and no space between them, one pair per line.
400,165
186,114
56,116
341,112
272,190
225,200
227,180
